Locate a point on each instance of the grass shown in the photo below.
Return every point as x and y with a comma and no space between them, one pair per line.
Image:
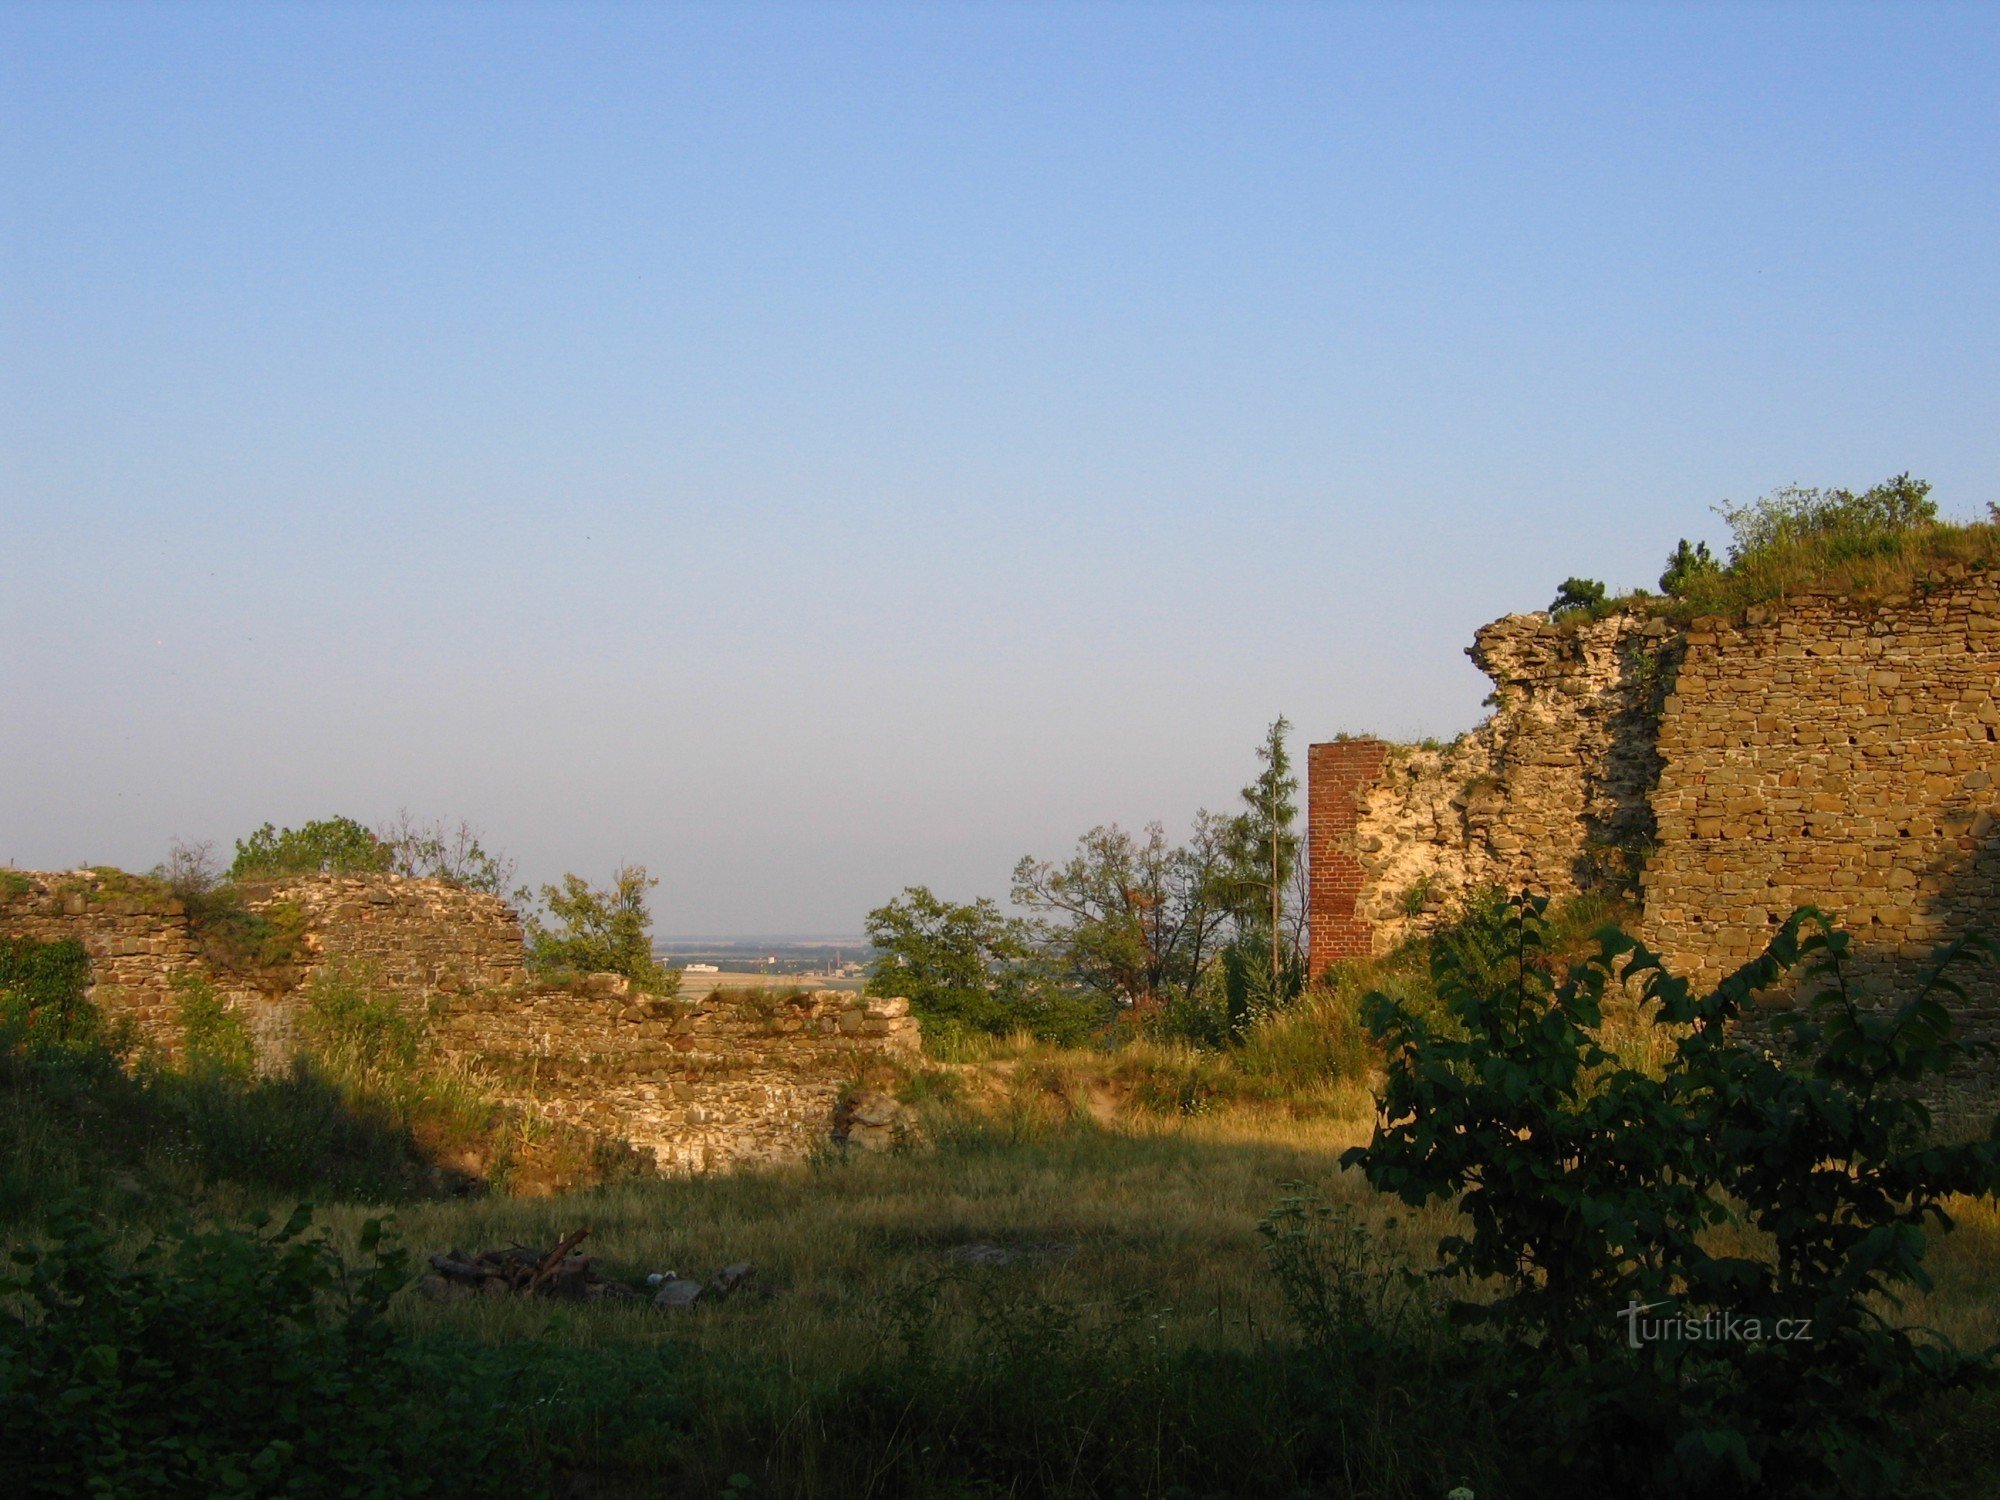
1874,568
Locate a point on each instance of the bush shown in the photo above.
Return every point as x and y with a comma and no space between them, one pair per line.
1592,1191
1687,566
225,1362
1840,522
44,996
213,1037
326,846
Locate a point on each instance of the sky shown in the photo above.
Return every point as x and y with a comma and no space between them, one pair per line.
815,450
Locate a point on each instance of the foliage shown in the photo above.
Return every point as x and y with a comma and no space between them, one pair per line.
1594,1192
44,996
1262,849
600,930
1135,920
213,1037
1845,523
325,846
223,1362
436,851
1577,596
967,968
1686,566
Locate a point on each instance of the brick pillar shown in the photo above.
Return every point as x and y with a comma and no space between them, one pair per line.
1338,775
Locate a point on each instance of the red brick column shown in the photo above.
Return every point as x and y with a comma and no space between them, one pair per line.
1338,775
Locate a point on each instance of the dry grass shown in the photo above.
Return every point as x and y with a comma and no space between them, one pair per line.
1136,1206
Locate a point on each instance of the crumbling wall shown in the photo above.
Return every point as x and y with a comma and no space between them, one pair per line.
720,1081
135,932
1819,751
1550,793
729,1080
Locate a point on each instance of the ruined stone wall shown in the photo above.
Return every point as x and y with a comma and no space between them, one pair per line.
134,931
1841,755
723,1081
1821,751
1549,793
701,1084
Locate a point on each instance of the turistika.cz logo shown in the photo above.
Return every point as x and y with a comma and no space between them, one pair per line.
1713,1327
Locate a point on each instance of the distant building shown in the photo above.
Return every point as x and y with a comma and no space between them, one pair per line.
703,969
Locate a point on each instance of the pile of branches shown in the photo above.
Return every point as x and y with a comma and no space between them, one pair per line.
569,1275
564,1273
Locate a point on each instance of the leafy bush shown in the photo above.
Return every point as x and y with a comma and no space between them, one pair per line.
325,846
1593,1192
44,996
965,968
225,1362
1843,523
213,1037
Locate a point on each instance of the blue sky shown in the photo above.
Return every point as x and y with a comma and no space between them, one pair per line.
817,449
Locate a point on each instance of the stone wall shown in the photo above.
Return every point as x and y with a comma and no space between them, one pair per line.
718,1081
1839,755
1822,751
1550,792
135,932
727,1080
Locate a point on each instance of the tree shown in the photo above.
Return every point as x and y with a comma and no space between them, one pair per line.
434,851
968,967
1577,596
1685,566
325,846
601,931
1136,919
1263,847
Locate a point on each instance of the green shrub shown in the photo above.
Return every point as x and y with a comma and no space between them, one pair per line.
44,996
226,1362
1686,567
213,1037
325,846
1592,1192
1577,596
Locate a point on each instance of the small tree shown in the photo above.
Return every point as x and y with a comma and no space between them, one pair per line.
600,931
965,966
1263,853
1134,919
1576,596
1687,566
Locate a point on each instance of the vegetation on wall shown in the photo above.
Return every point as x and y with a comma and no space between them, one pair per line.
1879,542
600,930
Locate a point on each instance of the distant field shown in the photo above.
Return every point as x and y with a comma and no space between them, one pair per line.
697,984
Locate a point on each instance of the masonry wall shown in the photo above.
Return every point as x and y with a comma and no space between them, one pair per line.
1839,755
1550,793
135,933
1821,751
701,1084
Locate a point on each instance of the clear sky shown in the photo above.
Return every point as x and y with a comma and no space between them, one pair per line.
813,450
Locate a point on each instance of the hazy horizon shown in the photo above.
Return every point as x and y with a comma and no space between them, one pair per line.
813,451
